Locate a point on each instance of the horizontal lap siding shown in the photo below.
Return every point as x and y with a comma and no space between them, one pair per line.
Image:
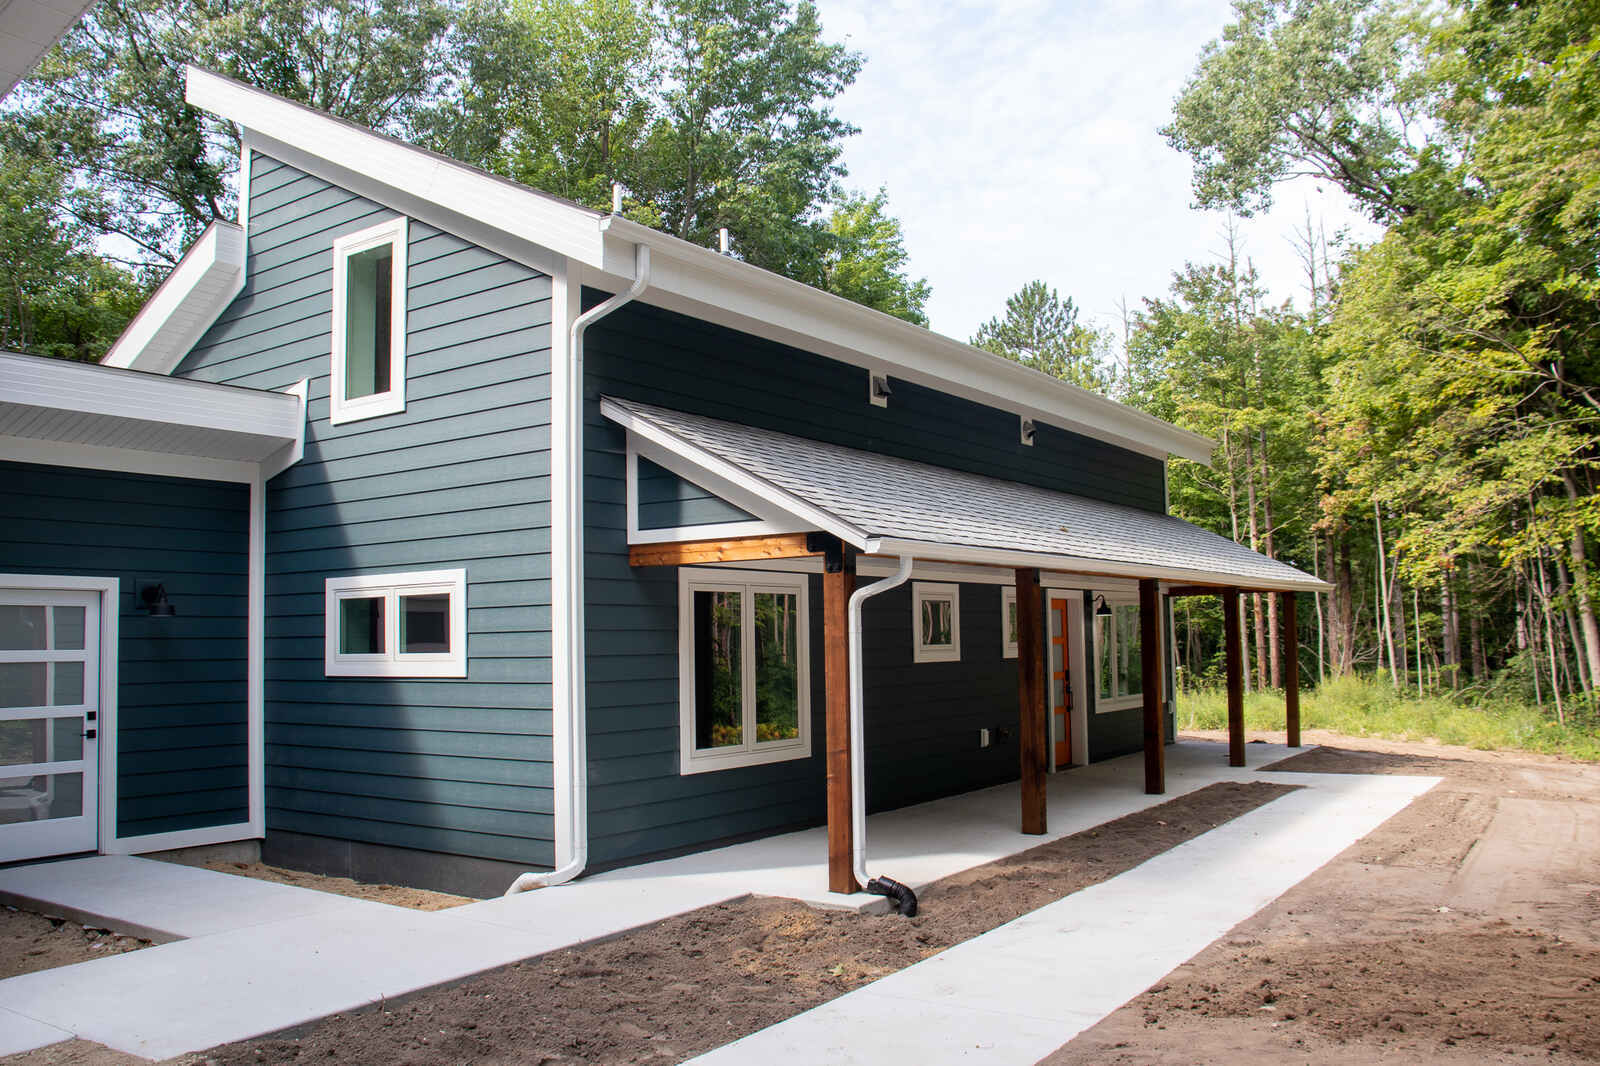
459,479
923,718
181,686
667,500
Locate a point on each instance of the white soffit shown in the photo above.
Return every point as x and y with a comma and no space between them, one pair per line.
29,29
68,403
684,277
199,289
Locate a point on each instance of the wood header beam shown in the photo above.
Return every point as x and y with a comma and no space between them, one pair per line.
727,550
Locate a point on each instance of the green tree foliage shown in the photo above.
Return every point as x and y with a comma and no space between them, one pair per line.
1041,330
867,261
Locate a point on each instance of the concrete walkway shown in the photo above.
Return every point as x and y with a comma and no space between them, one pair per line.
263,957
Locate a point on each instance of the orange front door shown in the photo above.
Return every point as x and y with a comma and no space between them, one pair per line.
1060,683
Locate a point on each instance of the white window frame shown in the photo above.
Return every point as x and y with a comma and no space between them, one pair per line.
751,752
1115,703
392,662
341,410
1008,604
921,591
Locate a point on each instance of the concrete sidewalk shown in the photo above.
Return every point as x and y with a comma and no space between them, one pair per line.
260,958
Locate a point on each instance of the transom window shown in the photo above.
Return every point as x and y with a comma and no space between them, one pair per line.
369,323
1119,661
397,625
935,622
743,668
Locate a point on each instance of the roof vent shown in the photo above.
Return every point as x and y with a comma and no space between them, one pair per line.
722,240
1027,431
878,390
616,198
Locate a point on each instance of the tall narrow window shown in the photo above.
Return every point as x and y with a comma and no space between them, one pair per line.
368,343
743,686
1119,659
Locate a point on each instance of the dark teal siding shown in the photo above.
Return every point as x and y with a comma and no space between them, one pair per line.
181,685
923,719
667,500
459,479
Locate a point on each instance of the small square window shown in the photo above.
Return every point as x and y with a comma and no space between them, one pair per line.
1008,622
369,323
935,622
396,625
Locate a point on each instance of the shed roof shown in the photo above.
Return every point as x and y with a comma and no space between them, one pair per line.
891,506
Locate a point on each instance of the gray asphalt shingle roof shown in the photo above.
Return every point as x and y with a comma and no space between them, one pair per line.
889,498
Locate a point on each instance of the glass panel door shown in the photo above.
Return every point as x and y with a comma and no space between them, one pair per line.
49,718
1058,670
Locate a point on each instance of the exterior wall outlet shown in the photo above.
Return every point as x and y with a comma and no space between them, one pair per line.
983,738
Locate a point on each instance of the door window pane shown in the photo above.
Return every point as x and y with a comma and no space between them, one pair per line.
69,628
719,671
361,626
23,684
31,740
22,627
37,799
425,624
777,666
67,690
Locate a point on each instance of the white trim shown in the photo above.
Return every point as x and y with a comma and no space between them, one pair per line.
566,289
392,233
1008,604
202,285
95,457
256,661
293,452
754,527
392,662
935,653
751,752
688,278
181,838
1077,670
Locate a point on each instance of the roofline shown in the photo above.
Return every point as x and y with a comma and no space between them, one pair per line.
188,301
688,278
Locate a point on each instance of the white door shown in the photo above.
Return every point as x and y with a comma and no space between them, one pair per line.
49,718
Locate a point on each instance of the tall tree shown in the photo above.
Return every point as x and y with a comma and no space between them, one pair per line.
1041,329
868,262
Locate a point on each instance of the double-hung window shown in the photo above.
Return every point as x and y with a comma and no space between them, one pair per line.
743,668
396,625
1119,659
369,323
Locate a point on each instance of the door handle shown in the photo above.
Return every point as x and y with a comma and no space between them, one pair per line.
89,733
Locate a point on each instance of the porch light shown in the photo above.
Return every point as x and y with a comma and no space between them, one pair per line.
1104,608
154,598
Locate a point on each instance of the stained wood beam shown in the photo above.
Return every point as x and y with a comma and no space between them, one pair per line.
837,585
1155,746
1034,722
1290,657
1235,675
729,550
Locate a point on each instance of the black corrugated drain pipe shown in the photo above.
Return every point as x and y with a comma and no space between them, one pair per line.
901,896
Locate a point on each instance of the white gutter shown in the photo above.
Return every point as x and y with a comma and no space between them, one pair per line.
858,759
566,574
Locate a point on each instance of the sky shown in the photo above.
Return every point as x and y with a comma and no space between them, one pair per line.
1018,139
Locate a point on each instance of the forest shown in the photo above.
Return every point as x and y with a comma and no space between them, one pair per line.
1420,428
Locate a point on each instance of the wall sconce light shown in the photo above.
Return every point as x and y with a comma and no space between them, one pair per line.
153,598
1103,610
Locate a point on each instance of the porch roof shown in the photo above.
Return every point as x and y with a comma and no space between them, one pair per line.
883,505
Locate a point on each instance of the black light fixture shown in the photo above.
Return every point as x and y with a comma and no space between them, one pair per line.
1104,608
154,600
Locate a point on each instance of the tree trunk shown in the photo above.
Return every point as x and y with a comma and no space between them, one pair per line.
1267,549
1570,617
1316,601
1480,661
1258,616
1580,574
1383,584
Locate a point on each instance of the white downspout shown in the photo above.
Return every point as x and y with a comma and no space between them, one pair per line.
858,760
566,572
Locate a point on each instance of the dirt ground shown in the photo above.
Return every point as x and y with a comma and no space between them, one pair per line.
742,965
30,942
395,895
1465,929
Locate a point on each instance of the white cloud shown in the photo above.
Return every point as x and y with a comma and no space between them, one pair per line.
1018,139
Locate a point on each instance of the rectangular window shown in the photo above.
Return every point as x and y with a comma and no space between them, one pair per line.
743,670
1119,659
935,622
369,323
396,625
1008,622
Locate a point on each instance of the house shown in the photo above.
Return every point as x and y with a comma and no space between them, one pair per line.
428,528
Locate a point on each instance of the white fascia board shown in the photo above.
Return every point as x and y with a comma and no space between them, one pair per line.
88,388
199,289
714,286
564,228
1080,565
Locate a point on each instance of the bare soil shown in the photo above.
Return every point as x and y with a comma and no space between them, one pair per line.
1465,929
681,987
419,899
30,942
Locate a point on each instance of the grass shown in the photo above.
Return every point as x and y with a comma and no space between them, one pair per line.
1368,707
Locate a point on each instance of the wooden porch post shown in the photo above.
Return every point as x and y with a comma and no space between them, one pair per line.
1155,749
1033,724
838,582
1291,668
1235,675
